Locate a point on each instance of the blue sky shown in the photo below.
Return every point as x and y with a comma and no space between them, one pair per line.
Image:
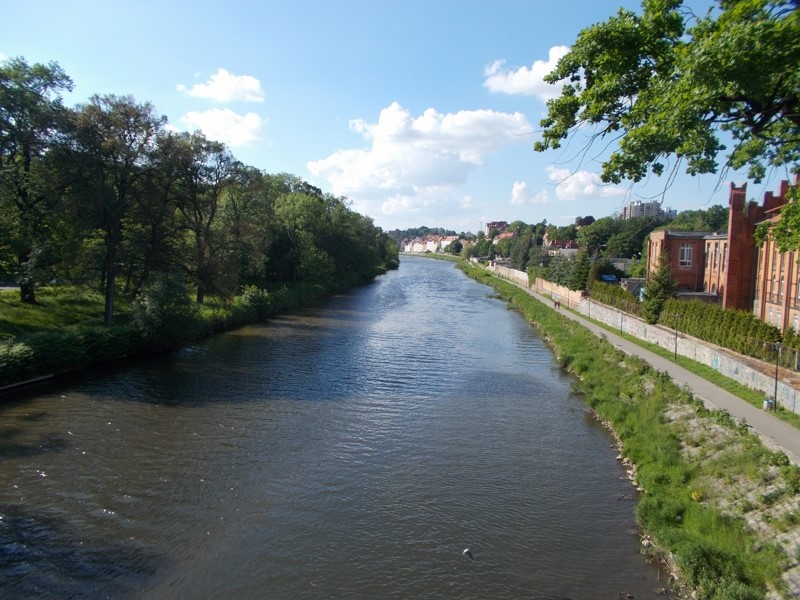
420,112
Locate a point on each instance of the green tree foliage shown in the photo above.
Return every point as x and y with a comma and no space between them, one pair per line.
114,200
669,84
163,312
570,271
616,296
713,219
454,247
206,172
108,155
617,238
740,331
660,288
579,277
31,115
520,251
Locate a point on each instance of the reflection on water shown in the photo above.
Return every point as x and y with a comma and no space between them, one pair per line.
350,451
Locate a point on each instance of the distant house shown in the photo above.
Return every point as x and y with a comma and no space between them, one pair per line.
429,243
506,235
621,263
635,285
499,226
567,248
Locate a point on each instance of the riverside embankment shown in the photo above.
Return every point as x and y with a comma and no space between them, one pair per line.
705,476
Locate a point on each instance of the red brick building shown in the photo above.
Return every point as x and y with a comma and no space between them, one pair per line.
686,254
731,259
777,284
730,267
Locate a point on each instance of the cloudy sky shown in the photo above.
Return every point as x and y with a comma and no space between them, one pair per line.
421,112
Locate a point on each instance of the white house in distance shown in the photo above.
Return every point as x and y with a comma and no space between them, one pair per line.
429,243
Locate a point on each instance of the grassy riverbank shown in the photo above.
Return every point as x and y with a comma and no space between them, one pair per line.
63,331
715,506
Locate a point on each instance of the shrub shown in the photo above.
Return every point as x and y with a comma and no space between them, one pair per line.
259,300
15,361
165,314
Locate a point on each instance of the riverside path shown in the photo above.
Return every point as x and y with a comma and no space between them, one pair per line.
776,434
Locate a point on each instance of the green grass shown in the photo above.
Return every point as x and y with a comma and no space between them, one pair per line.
55,307
747,394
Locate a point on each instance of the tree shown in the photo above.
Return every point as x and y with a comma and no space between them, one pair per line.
660,288
454,247
31,116
581,266
207,171
521,251
665,83
713,219
109,154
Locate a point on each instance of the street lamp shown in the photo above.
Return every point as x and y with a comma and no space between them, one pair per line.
777,346
675,324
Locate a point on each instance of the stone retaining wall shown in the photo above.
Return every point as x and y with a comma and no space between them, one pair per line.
749,372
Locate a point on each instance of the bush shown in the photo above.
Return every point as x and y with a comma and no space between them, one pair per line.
15,362
258,300
713,572
164,313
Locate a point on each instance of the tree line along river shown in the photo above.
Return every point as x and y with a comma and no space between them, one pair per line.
351,450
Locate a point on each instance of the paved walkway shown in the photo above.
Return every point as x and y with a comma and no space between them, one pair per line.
776,434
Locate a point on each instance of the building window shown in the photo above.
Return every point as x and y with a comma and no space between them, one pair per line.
780,290
724,256
708,254
716,256
796,323
769,317
685,255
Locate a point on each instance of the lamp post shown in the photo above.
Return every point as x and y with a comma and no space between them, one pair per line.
675,324
777,346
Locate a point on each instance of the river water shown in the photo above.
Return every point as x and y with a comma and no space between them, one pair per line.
352,450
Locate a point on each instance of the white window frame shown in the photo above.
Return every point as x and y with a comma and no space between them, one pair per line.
685,256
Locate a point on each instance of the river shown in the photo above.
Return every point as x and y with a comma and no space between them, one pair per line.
351,450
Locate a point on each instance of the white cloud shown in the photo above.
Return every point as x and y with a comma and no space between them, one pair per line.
413,163
581,185
226,87
521,196
224,125
525,81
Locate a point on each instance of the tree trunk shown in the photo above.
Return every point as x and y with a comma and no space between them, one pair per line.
109,307
111,278
27,292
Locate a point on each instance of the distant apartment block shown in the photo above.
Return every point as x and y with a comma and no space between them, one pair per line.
646,209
